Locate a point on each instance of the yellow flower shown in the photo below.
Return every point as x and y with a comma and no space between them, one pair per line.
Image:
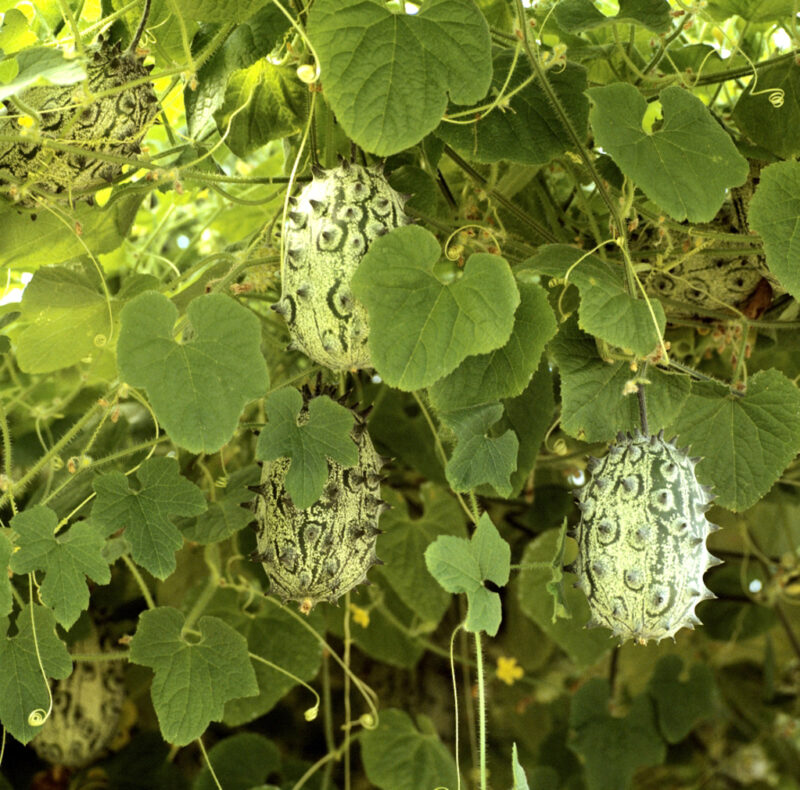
508,670
360,616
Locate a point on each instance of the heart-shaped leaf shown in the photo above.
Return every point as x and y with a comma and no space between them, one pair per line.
387,75
421,328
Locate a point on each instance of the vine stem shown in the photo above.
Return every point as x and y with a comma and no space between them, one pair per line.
7,456
481,709
208,763
148,596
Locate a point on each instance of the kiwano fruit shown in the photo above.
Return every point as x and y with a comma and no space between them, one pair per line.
332,223
323,551
111,124
86,711
642,539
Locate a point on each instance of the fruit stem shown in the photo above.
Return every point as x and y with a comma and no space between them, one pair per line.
140,28
642,403
481,709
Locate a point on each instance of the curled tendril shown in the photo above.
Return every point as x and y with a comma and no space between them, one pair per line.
100,340
311,713
39,716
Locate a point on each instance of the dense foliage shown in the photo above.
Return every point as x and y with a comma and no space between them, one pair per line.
494,235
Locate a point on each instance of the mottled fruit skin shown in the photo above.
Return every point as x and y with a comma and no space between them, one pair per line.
322,552
112,124
642,539
86,711
332,223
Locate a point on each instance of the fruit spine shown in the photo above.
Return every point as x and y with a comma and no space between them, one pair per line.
321,552
641,539
329,229
112,123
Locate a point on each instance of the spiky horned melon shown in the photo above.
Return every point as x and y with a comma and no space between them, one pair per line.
86,711
321,552
642,539
112,124
332,223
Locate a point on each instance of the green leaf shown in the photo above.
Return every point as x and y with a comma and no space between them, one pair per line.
745,441
193,679
506,372
775,214
594,407
325,434
397,756
27,243
613,749
268,629
528,131
555,587
199,387
66,560
404,542
240,762
462,566
478,458
686,166
421,328
22,688
218,11
576,15
5,583
681,704
262,102
387,75
247,43
529,415
15,33
751,10
225,516
606,309
584,647
62,315
775,128
520,780
42,65
145,513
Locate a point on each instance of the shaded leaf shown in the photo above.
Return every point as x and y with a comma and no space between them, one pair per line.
193,680
403,544
745,441
199,387
240,762
681,704
462,566
66,560
145,513
775,214
577,15
325,434
686,166
373,63
528,131
593,404
42,65
397,756
5,583
613,749
22,688
421,328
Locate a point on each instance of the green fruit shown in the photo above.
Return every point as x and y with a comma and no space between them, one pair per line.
86,711
642,539
333,222
325,550
111,124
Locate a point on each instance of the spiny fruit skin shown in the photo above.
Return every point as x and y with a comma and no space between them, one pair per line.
331,226
642,539
111,124
321,552
86,711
